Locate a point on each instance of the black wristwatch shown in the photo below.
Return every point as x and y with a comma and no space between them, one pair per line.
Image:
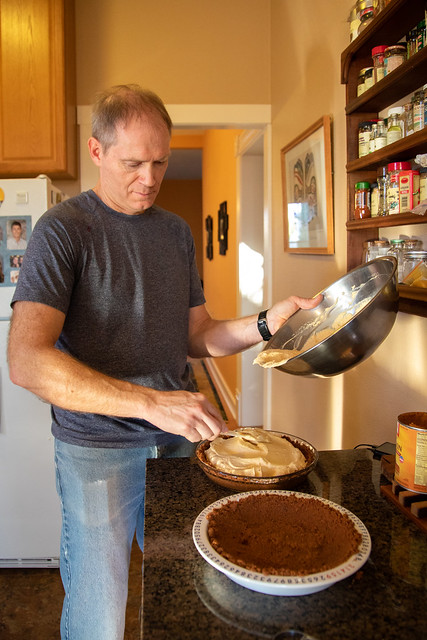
263,326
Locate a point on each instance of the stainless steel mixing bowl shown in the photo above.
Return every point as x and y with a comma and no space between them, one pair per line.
374,282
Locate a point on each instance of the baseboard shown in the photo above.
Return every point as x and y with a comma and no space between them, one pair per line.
228,399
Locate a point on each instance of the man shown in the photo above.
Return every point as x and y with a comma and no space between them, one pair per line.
107,308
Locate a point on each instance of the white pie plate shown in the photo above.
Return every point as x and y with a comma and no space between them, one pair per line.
273,584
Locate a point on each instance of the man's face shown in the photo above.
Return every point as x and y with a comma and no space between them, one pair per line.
131,171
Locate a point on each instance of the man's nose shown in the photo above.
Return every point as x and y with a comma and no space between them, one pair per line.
147,175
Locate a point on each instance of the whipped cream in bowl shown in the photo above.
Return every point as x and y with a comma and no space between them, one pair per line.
251,458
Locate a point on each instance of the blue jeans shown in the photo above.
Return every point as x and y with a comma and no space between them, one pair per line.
102,499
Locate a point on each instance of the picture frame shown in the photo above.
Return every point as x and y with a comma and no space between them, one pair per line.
308,216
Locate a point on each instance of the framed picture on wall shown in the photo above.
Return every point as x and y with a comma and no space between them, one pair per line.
307,191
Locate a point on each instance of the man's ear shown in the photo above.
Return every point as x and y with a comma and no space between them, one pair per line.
95,150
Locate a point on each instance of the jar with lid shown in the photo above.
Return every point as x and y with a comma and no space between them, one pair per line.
369,77
394,56
364,136
412,244
378,60
418,110
408,119
393,171
421,35
411,43
374,199
380,140
372,137
374,248
394,124
362,197
366,17
415,268
423,184
361,82
396,250
382,174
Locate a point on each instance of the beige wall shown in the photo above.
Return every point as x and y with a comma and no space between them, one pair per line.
188,51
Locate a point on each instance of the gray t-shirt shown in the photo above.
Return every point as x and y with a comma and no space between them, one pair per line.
125,284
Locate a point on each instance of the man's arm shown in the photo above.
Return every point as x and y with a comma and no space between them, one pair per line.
209,337
37,365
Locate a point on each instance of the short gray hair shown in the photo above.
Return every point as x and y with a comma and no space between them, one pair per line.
119,105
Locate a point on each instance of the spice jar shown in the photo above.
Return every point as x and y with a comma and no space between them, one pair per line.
382,174
423,184
396,250
366,17
394,56
393,170
415,268
364,135
412,244
362,205
361,82
374,248
418,110
408,119
369,77
375,196
409,190
380,140
394,124
378,60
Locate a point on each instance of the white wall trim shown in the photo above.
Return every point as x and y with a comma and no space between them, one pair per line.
227,396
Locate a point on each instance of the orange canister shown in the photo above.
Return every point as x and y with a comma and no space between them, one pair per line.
411,451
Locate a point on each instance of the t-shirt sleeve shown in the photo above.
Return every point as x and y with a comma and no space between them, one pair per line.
48,270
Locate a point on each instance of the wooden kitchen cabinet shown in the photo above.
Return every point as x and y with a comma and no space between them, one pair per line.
388,27
38,128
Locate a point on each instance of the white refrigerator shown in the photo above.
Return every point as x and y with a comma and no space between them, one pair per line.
30,517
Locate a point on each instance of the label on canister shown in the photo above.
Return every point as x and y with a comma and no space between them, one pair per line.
411,451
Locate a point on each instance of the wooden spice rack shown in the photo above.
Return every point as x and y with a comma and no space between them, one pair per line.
387,28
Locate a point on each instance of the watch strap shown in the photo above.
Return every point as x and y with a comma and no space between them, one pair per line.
263,326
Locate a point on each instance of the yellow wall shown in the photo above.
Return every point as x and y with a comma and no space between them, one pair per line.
220,274
187,51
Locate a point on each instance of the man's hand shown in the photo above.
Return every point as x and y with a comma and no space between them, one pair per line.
281,311
187,414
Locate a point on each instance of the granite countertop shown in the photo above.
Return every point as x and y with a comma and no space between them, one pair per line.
185,597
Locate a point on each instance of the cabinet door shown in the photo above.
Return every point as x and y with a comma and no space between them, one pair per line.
37,92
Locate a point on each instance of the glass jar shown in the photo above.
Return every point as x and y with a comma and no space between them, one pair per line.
394,56
418,110
412,244
380,140
378,60
362,205
374,248
415,268
374,199
421,35
369,78
364,135
361,82
393,170
423,184
366,17
394,124
411,43
382,173
396,250
408,119
373,135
